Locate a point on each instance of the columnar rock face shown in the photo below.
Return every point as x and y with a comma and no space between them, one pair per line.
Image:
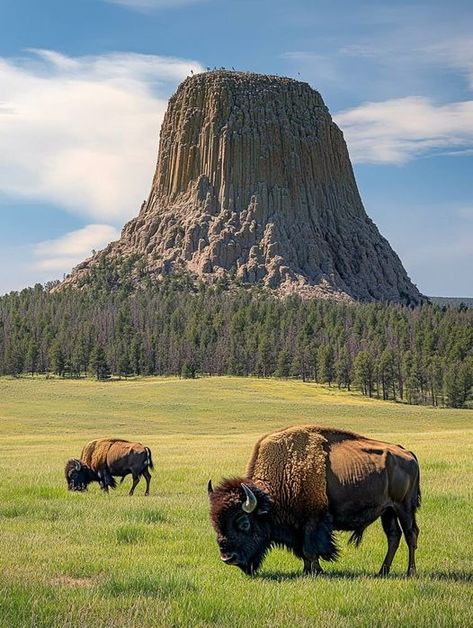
254,183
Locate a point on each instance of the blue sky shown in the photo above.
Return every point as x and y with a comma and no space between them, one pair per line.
84,85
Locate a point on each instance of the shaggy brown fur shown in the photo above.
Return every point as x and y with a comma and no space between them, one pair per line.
310,481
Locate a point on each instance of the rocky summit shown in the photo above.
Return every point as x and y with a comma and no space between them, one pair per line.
254,185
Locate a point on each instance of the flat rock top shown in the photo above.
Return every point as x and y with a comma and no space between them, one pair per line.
247,83
243,79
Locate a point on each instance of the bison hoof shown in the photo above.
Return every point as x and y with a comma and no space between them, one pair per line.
384,571
411,572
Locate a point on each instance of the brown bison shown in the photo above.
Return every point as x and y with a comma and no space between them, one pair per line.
305,482
104,458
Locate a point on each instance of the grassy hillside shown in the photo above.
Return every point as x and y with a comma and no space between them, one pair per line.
92,560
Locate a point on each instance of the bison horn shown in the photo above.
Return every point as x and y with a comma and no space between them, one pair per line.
251,501
77,465
210,488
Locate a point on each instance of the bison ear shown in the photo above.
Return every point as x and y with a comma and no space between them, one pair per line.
251,502
210,489
77,465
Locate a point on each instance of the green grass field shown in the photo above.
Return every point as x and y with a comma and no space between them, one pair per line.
95,560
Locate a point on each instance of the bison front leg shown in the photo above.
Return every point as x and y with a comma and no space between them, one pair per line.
318,542
312,567
310,550
104,479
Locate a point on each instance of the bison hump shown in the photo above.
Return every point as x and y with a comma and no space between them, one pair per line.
292,464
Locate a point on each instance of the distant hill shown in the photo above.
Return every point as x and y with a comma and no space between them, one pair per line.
453,301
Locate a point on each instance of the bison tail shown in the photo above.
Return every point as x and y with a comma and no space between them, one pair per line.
416,494
419,497
356,536
149,459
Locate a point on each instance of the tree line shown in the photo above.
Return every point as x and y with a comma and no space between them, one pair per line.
421,355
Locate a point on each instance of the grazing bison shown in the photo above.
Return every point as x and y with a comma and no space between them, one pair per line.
104,458
304,482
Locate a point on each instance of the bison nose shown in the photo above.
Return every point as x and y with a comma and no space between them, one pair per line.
229,559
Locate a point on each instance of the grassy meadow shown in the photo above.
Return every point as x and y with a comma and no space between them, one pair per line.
95,560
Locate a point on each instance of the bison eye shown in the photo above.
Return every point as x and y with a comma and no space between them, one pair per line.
243,524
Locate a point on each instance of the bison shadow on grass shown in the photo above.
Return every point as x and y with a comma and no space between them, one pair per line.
446,576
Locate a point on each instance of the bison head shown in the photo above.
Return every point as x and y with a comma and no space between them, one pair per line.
78,475
240,514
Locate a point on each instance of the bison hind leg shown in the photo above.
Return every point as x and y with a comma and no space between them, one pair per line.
393,533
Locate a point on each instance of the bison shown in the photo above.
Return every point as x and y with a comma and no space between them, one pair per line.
104,458
303,483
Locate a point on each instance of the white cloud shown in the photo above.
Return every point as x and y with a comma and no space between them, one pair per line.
397,130
61,254
456,53
82,132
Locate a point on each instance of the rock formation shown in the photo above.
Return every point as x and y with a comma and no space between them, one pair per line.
254,184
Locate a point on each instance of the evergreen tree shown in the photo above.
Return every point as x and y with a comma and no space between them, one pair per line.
98,363
343,369
283,364
32,357
326,364
388,371
136,355
364,368
57,358
264,362
188,370
458,383
125,368
14,359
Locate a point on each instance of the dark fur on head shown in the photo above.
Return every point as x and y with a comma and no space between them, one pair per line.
79,476
243,538
268,526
